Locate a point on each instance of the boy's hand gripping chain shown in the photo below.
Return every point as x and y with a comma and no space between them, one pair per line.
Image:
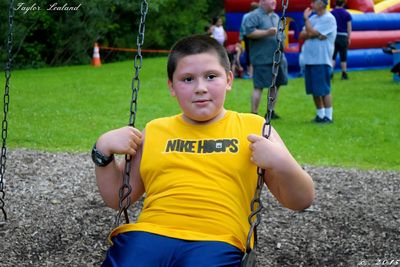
249,258
126,188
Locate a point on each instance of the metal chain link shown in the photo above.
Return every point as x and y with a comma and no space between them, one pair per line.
273,90
256,204
6,101
126,188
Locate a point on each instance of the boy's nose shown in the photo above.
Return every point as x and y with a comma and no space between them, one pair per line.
201,87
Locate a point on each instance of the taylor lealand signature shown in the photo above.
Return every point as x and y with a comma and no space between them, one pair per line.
21,6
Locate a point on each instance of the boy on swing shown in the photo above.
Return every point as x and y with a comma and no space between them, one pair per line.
198,170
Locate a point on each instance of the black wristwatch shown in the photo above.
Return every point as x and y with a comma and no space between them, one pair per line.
99,158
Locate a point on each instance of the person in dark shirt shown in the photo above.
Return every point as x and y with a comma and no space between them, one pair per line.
342,42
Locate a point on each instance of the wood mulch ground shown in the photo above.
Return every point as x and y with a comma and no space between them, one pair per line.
57,218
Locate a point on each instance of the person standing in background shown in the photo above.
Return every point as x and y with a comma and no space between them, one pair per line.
319,34
261,26
342,42
235,52
243,38
217,31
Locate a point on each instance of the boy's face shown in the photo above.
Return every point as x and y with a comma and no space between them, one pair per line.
200,83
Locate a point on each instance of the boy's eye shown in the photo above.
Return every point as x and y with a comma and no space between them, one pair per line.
211,76
187,79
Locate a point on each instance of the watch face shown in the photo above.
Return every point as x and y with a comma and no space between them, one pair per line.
99,159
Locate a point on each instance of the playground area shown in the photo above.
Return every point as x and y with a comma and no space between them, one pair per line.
57,218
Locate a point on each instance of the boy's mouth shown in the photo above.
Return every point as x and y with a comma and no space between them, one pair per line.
201,101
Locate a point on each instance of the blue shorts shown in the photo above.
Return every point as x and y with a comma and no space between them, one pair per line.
142,249
318,80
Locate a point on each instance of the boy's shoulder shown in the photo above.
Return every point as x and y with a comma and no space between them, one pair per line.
248,118
163,120
246,115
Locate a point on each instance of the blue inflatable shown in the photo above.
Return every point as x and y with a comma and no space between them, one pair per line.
375,21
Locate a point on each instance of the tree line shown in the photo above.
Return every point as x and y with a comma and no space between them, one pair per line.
50,33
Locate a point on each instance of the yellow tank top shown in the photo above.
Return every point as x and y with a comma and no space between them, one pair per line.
198,179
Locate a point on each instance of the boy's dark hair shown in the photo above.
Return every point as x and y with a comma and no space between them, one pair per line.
196,44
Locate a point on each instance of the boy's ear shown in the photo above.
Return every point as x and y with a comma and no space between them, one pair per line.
171,88
229,81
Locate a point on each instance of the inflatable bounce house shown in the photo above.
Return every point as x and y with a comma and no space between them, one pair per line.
375,23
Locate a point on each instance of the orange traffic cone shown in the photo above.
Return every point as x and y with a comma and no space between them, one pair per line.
96,62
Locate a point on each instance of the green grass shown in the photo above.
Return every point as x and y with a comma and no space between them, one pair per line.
67,108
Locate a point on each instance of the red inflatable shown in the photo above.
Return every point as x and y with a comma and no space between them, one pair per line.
233,37
244,5
297,5
373,39
361,5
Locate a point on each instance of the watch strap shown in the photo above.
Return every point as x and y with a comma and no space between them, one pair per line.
99,158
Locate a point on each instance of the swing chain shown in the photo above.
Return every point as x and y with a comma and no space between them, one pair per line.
256,203
273,90
126,188
6,101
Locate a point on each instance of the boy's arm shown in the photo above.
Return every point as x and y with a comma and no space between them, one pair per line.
288,182
126,140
